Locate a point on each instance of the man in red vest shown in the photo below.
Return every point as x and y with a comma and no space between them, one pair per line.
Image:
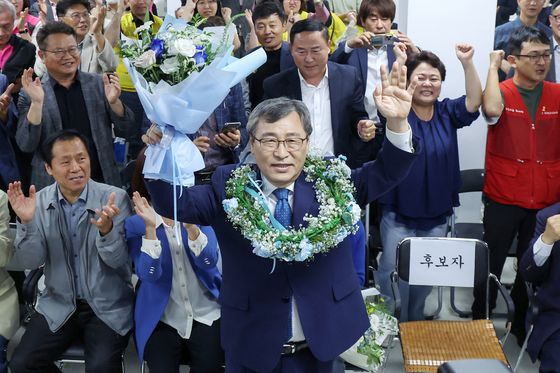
522,156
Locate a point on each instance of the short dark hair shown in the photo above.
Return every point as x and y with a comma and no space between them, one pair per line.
306,25
64,135
268,8
51,28
428,57
385,8
63,5
525,34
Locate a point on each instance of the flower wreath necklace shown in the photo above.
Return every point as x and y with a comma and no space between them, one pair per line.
247,210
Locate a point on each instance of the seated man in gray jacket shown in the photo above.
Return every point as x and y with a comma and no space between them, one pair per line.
74,228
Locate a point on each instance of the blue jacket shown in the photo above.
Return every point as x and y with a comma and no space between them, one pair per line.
156,275
255,302
547,277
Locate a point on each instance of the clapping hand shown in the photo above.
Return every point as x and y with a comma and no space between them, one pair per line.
464,52
23,206
112,87
143,209
105,215
32,87
97,22
393,99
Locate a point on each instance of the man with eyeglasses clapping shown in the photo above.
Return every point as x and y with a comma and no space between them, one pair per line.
66,98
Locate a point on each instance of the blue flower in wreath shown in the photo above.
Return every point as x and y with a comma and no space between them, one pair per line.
230,204
340,235
200,56
158,47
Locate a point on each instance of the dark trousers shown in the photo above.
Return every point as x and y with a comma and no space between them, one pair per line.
40,347
165,349
548,356
302,361
502,223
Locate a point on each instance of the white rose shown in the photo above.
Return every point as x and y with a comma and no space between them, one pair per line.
185,47
146,59
145,26
170,65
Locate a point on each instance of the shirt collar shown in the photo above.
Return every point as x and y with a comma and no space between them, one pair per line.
82,197
268,188
54,82
323,81
555,46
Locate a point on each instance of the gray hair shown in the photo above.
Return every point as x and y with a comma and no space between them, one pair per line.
6,6
273,110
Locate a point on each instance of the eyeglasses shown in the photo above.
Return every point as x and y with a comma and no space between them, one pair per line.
534,58
59,53
76,17
272,143
556,18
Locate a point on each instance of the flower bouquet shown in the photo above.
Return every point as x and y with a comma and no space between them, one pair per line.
369,352
181,75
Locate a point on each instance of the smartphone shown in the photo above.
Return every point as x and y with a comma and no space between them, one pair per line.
230,127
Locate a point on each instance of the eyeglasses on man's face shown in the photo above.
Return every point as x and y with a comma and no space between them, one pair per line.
74,51
534,58
272,143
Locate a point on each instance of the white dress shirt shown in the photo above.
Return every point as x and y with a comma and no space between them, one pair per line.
402,141
318,102
189,300
541,251
376,58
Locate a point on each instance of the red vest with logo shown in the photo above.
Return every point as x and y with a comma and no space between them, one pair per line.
523,158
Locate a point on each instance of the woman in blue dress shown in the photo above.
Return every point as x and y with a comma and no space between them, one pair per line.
421,205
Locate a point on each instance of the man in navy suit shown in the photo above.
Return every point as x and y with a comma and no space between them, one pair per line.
539,265
331,92
319,300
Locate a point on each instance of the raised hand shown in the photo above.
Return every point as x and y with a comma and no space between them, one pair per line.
32,87
105,215
551,232
406,40
97,22
226,14
144,210
496,58
23,206
393,99
112,87
464,52
22,18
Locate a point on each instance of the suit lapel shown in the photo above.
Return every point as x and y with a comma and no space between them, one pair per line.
305,201
335,86
363,59
294,85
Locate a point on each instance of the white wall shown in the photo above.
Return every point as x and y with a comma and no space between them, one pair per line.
436,25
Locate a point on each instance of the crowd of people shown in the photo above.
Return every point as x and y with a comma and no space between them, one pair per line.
340,79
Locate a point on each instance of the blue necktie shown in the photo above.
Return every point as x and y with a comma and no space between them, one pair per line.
283,213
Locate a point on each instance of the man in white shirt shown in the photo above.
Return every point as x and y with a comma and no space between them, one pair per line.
331,92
